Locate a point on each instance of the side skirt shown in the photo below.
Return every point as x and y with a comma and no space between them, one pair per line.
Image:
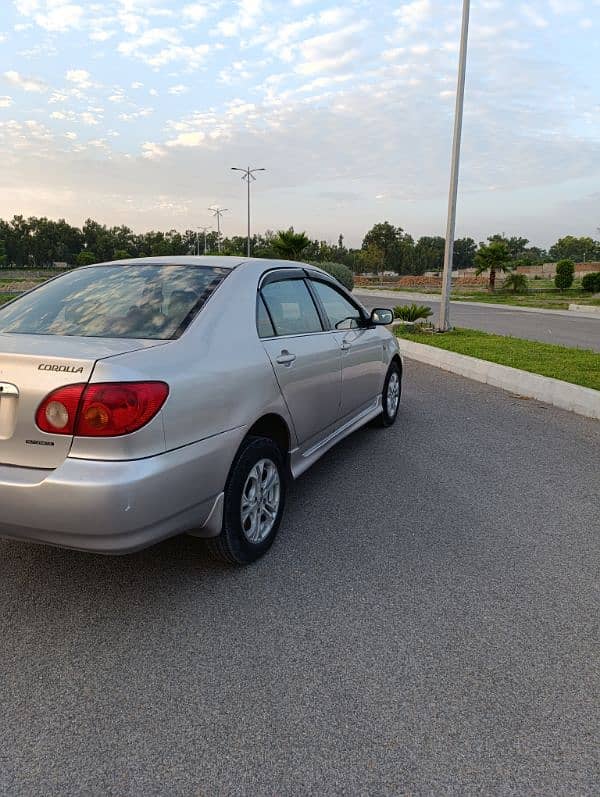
302,461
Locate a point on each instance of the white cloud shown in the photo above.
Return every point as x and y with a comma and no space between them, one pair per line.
60,17
25,83
178,89
6,101
80,77
534,17
130,117
89,118
194,139
246,17
195,12
153,151
412,15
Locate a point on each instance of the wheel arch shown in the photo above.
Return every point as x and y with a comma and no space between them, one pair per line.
275,428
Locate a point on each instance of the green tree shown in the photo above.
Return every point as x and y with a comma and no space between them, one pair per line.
396,246
465,250
290,245
576,249
518,283
493,257
2,254
371,259
429,254
565,273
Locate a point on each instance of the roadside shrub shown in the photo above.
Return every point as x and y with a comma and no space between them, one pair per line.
517,283
338,270
412,312
85,258
565,273
591,282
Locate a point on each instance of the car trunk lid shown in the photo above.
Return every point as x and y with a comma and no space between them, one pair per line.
31,366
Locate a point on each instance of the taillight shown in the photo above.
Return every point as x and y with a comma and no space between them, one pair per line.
58,411
106,409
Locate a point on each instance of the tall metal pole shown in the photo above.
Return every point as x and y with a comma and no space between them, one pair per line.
218,212
202,230
248,175
248,240
444,322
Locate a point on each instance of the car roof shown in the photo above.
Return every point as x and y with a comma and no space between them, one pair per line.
221,261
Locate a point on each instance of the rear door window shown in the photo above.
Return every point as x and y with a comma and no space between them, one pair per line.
291,307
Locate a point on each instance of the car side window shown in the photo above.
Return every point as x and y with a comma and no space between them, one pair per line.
341,313
263,322
291,307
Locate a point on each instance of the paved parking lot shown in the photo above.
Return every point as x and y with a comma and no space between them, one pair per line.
427,623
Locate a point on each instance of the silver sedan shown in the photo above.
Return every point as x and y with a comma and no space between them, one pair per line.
145,398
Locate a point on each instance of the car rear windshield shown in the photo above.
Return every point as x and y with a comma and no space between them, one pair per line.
136,301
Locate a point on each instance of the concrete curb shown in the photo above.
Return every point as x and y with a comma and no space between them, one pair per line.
581,400
587,310
411,298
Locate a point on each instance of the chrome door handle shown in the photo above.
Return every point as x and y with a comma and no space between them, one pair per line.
345,345
285,358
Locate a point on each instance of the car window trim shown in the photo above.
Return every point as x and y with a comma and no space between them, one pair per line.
259,299
281,275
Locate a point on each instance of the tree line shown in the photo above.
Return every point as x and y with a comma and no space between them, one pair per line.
39,242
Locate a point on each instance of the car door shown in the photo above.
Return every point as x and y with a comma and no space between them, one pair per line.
306,358
361,347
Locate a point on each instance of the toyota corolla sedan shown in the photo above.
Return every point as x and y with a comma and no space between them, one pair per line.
145,398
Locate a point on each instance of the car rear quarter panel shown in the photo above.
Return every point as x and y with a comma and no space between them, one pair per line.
218,373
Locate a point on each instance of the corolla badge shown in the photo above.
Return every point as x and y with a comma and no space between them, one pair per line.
65,369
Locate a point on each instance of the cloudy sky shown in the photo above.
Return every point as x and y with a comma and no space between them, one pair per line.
133,111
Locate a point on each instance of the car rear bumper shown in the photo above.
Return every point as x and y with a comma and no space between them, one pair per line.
118,507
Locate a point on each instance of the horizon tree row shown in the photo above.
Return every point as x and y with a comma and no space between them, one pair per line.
39,242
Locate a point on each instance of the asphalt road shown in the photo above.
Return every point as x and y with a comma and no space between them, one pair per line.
583,333
427,623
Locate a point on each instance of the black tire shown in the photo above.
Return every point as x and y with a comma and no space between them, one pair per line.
386,419
232,545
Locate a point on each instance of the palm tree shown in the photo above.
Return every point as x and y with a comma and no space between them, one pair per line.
493,257
289,245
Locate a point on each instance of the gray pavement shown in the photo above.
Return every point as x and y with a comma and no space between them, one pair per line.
427,623
583,333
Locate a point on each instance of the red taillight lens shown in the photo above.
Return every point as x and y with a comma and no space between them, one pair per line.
107,409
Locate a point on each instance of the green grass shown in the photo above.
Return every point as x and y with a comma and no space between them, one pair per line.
579,366
546,300
4,297
541,294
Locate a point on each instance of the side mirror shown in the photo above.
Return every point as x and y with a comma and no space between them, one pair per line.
381,316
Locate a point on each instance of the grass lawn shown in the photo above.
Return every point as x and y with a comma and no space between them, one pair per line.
4,297
541,294
548,300
579,366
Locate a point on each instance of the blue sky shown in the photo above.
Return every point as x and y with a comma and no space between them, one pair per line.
133,111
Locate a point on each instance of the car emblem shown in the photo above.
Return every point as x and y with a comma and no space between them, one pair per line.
66,369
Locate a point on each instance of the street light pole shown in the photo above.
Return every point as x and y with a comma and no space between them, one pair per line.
248,176
444,322
203,230
218,212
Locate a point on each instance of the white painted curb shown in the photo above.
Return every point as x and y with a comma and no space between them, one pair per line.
582,400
